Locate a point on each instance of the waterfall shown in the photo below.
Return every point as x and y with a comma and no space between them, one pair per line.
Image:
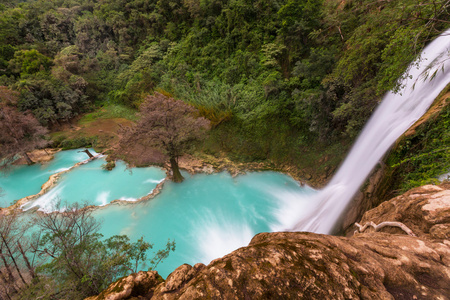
396,113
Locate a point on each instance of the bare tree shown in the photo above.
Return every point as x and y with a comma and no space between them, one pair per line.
169,125
16,270
19,132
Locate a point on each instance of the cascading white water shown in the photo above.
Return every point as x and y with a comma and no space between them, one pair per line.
396,113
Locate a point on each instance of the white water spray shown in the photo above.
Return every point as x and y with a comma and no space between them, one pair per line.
48,202
217,235
396,113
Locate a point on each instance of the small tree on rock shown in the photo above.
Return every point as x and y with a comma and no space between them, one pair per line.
169,125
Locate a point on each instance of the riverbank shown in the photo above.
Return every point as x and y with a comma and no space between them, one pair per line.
313,164
204,163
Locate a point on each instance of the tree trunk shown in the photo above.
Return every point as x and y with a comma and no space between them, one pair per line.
27,262
13,260
176,175
88,153
28,159
10,275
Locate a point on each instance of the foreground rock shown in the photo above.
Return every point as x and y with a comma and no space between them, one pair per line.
140,284
297,265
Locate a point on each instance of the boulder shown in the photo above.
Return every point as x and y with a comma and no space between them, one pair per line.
135,286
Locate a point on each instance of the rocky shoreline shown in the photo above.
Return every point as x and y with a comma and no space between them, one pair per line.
39,156
210,164
51,182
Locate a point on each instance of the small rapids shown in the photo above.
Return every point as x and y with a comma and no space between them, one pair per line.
23,181
91,185
208,216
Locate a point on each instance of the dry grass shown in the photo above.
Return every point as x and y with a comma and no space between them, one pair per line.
105,130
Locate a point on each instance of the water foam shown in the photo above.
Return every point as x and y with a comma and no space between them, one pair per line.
60,170
443,177
129,199
290,201
216,235
154,181
103,197
49,202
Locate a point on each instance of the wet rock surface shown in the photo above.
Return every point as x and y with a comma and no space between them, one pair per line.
300,265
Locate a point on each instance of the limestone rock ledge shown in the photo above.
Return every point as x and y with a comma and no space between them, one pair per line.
425,210
300,265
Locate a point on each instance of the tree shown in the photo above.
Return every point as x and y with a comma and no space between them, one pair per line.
169,125
27,62
78,262
19,132
50,99
16,270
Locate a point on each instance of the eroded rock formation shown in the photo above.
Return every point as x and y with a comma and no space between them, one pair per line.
425,210
299,265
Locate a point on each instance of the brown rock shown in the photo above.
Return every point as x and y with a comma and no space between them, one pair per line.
313,266
38,156
425,210
140,284
179,277
296,265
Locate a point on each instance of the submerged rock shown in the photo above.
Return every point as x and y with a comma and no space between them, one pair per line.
300,265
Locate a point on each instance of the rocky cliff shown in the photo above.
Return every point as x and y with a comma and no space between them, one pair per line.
387,264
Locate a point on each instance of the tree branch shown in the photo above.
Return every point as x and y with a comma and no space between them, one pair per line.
384,224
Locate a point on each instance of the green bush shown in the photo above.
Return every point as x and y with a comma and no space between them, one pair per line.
79,142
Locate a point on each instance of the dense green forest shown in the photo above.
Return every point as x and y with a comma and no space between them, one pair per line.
278,79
